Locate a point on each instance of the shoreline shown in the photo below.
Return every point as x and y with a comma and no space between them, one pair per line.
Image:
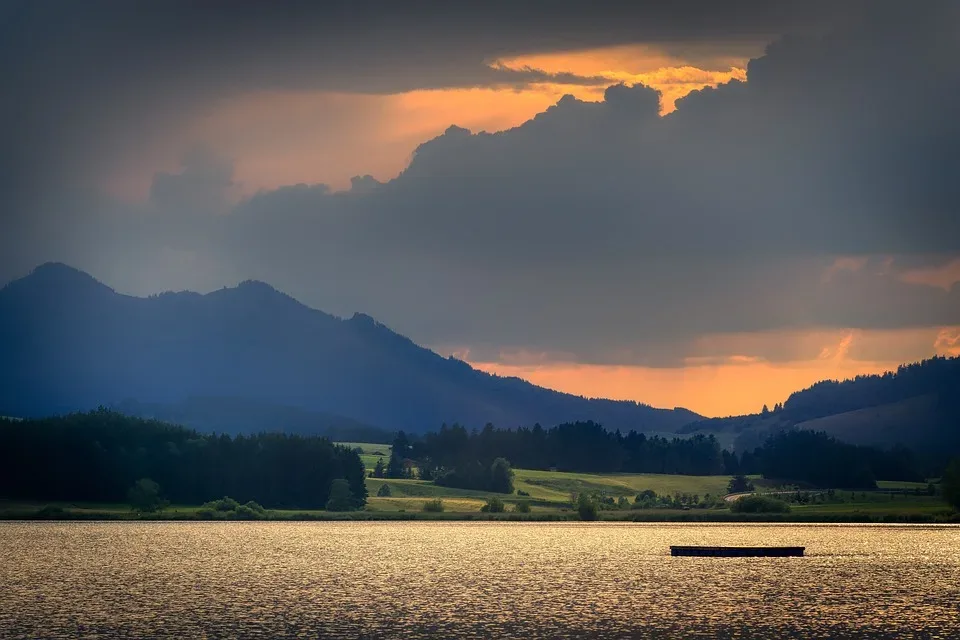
719,516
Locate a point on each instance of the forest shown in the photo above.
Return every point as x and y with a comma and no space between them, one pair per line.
938,375
454,456
99,456
574,446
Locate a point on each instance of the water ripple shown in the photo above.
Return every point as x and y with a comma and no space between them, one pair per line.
472,580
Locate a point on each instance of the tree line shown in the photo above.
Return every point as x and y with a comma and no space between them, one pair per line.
818,459
576,446
938,375
454,456
98,456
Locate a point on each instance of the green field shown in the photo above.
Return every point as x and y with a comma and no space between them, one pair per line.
371,452
556,486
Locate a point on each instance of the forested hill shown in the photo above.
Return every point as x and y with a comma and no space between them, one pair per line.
97,456
940,376
71,343
917,406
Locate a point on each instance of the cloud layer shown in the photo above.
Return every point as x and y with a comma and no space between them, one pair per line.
808,197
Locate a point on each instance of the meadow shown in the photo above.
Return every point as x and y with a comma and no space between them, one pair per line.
371,452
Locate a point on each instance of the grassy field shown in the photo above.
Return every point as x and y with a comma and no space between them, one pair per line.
371,452
548,490
556,486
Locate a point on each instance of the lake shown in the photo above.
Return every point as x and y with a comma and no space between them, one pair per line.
473,580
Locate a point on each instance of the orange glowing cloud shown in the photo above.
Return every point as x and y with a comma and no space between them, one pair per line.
943,276
634,64
279,138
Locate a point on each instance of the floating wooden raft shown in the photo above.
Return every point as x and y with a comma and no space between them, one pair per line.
737,552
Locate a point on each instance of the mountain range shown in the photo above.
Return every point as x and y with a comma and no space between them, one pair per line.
255,358
250,358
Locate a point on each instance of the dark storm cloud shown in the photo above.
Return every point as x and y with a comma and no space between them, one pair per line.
600,229
81,77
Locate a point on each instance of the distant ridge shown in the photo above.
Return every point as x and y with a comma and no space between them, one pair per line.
917,406
70,343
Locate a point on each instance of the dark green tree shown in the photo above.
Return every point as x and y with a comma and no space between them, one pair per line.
586,507
399,453
341,498
950,484
379,470
144,496
501,476
739,484
384,491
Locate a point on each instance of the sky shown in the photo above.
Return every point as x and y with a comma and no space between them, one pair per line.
698,204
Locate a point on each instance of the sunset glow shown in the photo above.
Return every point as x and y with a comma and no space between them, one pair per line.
287,137
737,384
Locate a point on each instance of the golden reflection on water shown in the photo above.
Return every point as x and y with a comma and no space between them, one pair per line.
473,580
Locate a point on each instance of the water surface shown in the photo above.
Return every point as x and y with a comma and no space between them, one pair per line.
472,580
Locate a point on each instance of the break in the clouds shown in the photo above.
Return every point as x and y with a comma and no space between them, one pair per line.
819,194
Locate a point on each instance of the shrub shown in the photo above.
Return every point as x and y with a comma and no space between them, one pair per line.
494,505
433,506
759,504
522,507
384,491
521,492
254,506
225,503
50,512
248,512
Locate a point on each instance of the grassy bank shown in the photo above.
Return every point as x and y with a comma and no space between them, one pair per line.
549,499
929,512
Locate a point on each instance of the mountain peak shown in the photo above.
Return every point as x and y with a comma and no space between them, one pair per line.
59,278
60,270
256,285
